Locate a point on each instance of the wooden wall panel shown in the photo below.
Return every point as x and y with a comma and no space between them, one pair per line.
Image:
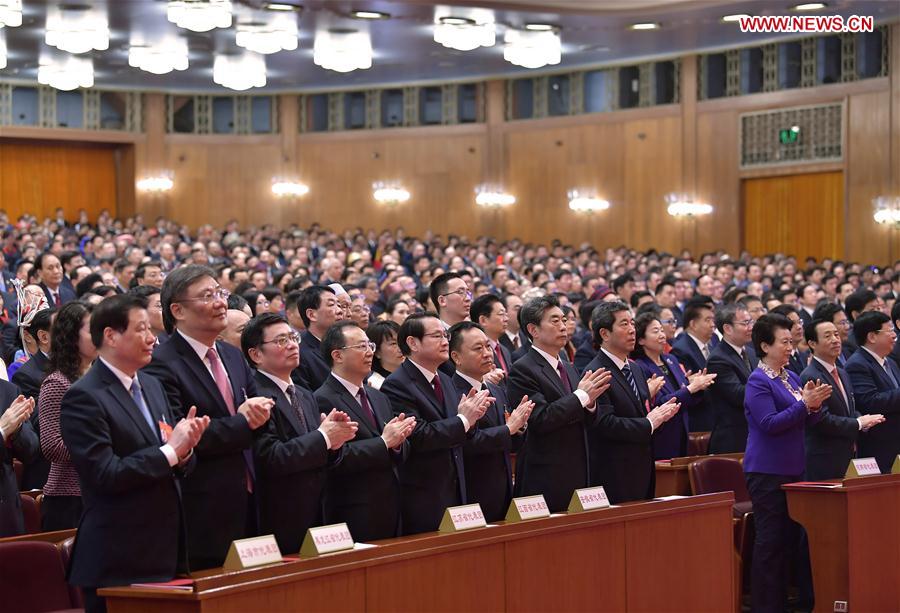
37,177
718,183
797,215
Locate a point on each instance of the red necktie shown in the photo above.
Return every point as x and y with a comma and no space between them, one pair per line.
438,391
221,378
500,361
837,382
564,376
367,409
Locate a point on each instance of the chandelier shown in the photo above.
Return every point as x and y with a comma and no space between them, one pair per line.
66,73
240,72
493,196
343,49
465,31
2,50
156,185
389,192
586,202
10,13
76,29
270,37
887,210
681,206
199,15
289,189
160,58
532,48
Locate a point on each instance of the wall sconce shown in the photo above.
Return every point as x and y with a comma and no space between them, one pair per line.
585,201
681,206
289,189
389,193
493,196
887,210
156,185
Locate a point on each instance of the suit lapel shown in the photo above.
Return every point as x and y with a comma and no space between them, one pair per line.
549,373
350,404
827,378
424,387
620,379
267,386
123,397
199,370
382,411
236,392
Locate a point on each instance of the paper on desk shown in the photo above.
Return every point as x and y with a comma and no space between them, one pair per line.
357,546
673,497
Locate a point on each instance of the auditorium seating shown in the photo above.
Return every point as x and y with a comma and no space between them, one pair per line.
710,475
698,443
33,578
31,513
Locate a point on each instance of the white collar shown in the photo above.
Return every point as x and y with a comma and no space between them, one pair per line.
429,376
351,387
878,358
737,349
121,376
201,349
699,343
552,359
829,368
615,360
281,383
511,335
475,383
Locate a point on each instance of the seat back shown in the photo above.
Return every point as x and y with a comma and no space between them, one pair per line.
65,554
32,578
712,474
31,514
698,443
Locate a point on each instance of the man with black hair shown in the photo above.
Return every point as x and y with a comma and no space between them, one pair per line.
319,309
859,302
876,386
732,362
693,348
830,311
623,287
51,273
488,312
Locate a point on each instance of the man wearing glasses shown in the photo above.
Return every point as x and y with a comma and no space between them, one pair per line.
451,297
196,370
732,364
292,451
363,490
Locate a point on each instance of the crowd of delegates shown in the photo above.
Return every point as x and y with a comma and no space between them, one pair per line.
171,393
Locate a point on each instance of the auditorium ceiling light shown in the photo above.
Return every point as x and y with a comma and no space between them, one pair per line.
287,189
66,73
809,6
270,36
281,6
539,27
343,49
199,15
586,201
2,50
464,31
389,192
644,26
887,210
531,49
240,72
372,15
735,17
162,57
76,29
681,206
493,197
10,13
156,185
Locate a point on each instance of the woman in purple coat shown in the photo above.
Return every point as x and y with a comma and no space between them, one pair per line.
670,439
777,409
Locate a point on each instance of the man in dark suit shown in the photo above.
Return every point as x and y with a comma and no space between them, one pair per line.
488,311
195,370
799,359
876,386
319,309
51,271
486,454
17,440
830,441
554,460
28,378
732,364
692,348
292,451
129,448
622,441
829,311
514,339
363,489
433,476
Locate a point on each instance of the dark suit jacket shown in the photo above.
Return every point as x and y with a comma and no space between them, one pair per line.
726,397
507,357
215,495
24,446
621,444
584,354
670,439
66,294
830,442
554,460
488,471
363,489
132,528
313,370
874,393
523,342
28,379
290,465
433,476
688,353
798,362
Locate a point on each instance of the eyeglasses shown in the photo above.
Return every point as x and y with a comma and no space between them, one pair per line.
216,294
283,340
360,309
746,322
668,322
438,335
462,293
368,346
265,304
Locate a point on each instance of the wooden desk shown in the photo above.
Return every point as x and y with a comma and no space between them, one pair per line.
672,478
854,541
658,555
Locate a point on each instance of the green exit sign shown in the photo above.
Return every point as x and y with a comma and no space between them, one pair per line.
789,136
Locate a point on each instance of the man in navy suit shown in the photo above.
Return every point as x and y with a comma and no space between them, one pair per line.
129,449
433,476
692,348
622,443
486,455
830,442
319,308
732,362
488,311
363,489
555,459
293,449
17,440
876,386
832,312
51,271
196,370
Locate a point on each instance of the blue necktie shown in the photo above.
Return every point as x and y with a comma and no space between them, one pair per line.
629,376
887,369
142,405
